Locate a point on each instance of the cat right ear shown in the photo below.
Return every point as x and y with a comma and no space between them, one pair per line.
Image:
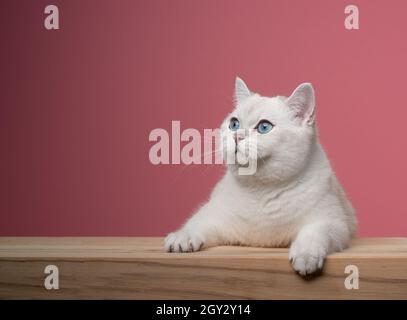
302,102
241,90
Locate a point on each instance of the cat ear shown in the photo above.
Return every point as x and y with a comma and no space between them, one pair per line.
302,102
241,90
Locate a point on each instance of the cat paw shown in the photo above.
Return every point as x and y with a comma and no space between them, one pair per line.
182,241
307,260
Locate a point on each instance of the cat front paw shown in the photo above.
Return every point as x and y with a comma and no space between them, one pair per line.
307,260
182,241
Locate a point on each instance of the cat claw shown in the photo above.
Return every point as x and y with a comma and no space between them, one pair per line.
182,241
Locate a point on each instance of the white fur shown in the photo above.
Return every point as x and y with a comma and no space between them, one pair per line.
293,199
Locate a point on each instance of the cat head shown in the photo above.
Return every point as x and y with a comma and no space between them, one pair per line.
276,132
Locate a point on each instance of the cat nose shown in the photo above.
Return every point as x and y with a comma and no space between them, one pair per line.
238,136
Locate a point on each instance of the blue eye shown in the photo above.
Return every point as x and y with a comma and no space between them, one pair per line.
264,126
234,124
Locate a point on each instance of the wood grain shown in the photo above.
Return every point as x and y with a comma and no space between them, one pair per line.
138,268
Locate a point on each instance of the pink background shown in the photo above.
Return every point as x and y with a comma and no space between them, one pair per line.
78,104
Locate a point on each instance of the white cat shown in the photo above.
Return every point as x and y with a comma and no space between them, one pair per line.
293,198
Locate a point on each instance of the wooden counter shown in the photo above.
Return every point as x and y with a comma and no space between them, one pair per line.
138,268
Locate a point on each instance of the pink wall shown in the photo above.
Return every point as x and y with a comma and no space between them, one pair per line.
78,104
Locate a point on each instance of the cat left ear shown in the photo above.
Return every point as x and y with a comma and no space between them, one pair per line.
302,102
241,90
